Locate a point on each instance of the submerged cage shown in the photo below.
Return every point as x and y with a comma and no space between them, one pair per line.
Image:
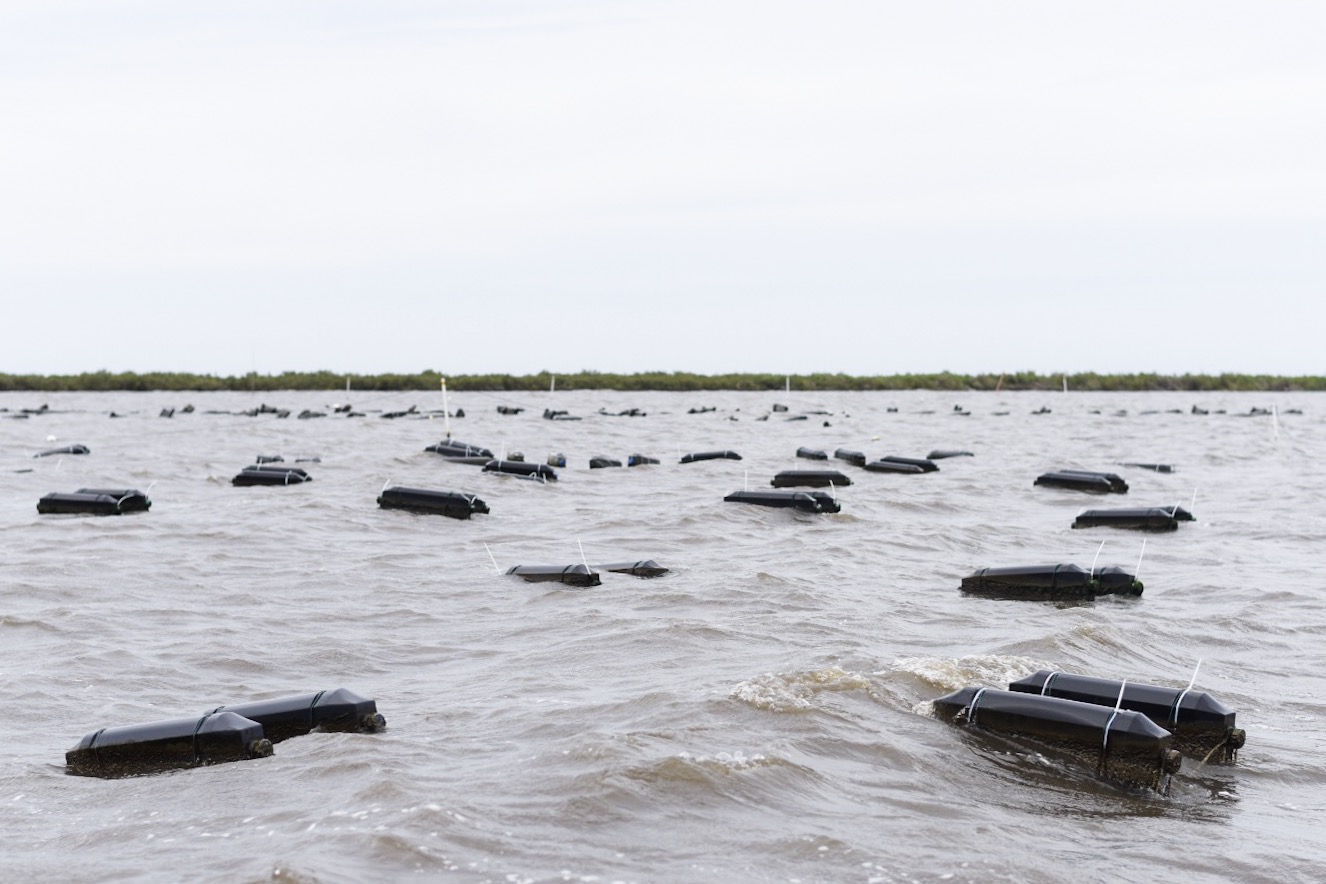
805,501
79,503
570,575
214,738
1124,747
454,504
523,469
1050,583
1202,726
809,479
1153,518
709,455
1083,480
286,717
271,474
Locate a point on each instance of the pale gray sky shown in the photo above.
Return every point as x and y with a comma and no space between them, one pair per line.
864,187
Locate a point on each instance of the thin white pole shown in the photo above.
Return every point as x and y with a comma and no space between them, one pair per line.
446,412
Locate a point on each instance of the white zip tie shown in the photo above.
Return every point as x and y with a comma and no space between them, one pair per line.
1092,575
971,707
1105,741
1045,688
1179,702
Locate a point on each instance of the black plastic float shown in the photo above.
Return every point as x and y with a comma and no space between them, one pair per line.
79,503
271,474
163,745
339,710
636,460
1155,467
473,460
1154,518
942,453
454,504
461,452
1201,724
571,575
891,466
644,568
806,501
1084,480
1124,747
509,409
812,454
130,500
523,469
710,455
68,449
1050,583
809,479
269,458
852,457
925,464
599,462
1117,484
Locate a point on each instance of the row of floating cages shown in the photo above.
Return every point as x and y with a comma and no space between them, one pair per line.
225,734
95,502
1133,734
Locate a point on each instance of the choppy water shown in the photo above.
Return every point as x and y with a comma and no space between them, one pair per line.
758,714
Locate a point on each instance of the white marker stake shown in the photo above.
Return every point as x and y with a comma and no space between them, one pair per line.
1138,569
490,558
446,412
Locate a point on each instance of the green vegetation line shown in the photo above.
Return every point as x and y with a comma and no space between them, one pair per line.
653,380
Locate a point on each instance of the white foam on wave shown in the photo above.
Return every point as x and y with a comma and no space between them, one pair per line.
953,673
797,691
728,762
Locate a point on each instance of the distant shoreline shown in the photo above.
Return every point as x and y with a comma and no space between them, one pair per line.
654,381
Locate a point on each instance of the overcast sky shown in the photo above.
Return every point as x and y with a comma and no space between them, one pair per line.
638,185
